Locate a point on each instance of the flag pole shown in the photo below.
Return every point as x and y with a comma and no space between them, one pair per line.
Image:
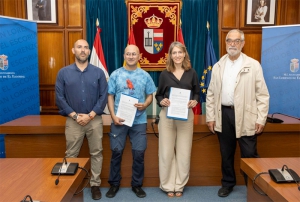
207,25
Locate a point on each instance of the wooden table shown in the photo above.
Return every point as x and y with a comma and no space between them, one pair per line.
275,191
32,176
45,134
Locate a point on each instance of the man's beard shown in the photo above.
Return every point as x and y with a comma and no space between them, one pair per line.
82,61
233,52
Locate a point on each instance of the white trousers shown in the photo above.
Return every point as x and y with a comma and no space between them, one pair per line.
175,145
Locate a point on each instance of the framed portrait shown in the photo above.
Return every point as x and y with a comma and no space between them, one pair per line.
260,12
41,11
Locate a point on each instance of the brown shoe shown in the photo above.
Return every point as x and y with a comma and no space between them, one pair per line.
96,193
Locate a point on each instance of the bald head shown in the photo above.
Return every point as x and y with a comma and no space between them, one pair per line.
82,42
132,48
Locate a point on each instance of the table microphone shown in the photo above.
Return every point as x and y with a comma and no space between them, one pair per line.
285,115
59,172
292,175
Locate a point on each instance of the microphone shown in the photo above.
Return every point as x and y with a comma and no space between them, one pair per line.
292,175
25,199
274,120
59,172
285,115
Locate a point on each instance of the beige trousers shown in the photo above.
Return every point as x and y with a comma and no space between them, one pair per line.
175,145
93,131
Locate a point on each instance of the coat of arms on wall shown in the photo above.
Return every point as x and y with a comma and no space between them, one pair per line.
155,26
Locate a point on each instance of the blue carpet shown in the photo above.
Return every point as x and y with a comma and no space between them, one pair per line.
199,193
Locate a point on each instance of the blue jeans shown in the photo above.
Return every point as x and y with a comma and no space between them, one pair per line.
138,140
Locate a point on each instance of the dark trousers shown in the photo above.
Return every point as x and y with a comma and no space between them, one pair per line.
138,139
228,141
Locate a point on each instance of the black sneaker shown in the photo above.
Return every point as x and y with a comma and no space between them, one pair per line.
112,191
224,191
139,192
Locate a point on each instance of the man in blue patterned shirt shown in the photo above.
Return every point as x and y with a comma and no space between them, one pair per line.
135,82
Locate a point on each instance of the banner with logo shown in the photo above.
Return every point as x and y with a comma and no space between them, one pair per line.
280,62
19,79
155,26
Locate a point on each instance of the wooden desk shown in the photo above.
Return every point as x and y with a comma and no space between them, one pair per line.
275,191
32,176
45,134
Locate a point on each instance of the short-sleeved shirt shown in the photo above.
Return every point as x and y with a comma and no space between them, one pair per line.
137,83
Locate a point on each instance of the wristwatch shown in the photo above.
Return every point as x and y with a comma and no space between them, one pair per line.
74,117
91,117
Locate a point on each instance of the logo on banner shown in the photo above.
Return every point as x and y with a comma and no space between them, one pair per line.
294,66
153,38
3,62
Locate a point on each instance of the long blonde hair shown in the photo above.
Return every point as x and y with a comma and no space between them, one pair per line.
186,64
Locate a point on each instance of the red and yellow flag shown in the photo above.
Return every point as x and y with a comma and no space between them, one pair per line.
131,41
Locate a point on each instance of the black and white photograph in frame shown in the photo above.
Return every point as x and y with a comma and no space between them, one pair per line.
260,12
41,11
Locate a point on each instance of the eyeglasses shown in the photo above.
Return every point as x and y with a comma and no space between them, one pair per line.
131,54
235,42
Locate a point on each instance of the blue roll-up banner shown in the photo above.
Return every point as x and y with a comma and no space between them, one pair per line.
19,78
280,62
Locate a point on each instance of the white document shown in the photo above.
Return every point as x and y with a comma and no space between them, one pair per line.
126,109
179,99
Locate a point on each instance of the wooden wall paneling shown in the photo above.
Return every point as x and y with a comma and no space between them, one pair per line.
1,7
47,99
279,16
9,8
222,43
292,14
51,55
73,36
84,20
242,14
13,8
252,45
228,12
60,13
74,13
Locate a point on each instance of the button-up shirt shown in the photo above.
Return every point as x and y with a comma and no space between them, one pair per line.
81,91
232,68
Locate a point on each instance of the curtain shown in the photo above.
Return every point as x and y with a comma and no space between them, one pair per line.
112,15
194,15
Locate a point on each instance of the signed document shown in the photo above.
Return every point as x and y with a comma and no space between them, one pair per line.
126,109
179,99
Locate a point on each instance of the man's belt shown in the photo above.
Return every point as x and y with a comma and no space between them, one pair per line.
231,107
